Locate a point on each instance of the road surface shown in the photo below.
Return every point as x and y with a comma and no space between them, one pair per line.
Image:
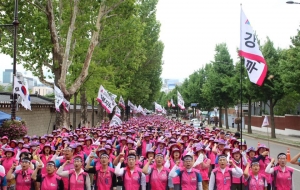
275,149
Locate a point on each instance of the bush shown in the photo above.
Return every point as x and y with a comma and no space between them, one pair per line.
13,129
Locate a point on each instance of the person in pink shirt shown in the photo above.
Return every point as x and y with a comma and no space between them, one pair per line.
9,159
49,180
241,162
254,180
283,175
45,157
158,174
87,148
203,165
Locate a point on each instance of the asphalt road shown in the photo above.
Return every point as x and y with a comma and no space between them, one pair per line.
275,149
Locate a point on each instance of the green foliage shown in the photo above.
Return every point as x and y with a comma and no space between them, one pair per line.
13,129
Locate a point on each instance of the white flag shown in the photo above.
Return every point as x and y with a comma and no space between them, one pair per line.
59,97
20,88
265,122
173,105
139,109
115,121
131,106
26,103
118,111
104,99
122,103
66,105
113,97
158,107
254,60
180,101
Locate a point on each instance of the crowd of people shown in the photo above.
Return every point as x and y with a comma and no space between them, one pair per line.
148,153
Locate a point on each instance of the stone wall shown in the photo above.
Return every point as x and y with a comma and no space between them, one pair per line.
41,118
286,125
37,120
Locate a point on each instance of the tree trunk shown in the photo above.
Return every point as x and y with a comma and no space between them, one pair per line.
273,135
93,112
74,110
100,113
249,117
220,117
122,114
226,117
260,108
83,107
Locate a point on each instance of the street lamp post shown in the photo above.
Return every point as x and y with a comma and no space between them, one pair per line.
13,95
292,2
15,23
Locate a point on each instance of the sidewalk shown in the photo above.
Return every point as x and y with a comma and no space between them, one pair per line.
282,139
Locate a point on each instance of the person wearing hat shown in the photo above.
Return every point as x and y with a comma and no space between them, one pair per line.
237,135
189,177
105,178
282,174
22,176
240,161
45,156
9,159
4,141
146,144
133,178
77,178
158,174
49,180
221,176
203,165
254,180
251,154
263,159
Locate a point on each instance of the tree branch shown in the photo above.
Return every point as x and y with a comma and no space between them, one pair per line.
64,66
94,41
42,78
113,7
37,6
52,27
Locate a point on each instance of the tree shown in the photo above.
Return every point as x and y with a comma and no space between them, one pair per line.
272,89
59,34
218,83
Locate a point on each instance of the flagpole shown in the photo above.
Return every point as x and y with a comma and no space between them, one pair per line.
241,97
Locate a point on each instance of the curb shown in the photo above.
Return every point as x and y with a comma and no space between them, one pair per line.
266,139
272,140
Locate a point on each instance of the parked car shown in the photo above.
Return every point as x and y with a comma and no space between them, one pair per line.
192,120
197,123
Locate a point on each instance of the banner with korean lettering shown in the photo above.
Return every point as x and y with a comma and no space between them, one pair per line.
118,111
105,99
254,60
180,101
113,98
121,102
66,105
59,97
115,121
130,105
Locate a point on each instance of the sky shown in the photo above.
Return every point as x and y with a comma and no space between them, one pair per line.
190,30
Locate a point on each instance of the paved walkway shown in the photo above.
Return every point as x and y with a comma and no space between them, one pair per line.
283,139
